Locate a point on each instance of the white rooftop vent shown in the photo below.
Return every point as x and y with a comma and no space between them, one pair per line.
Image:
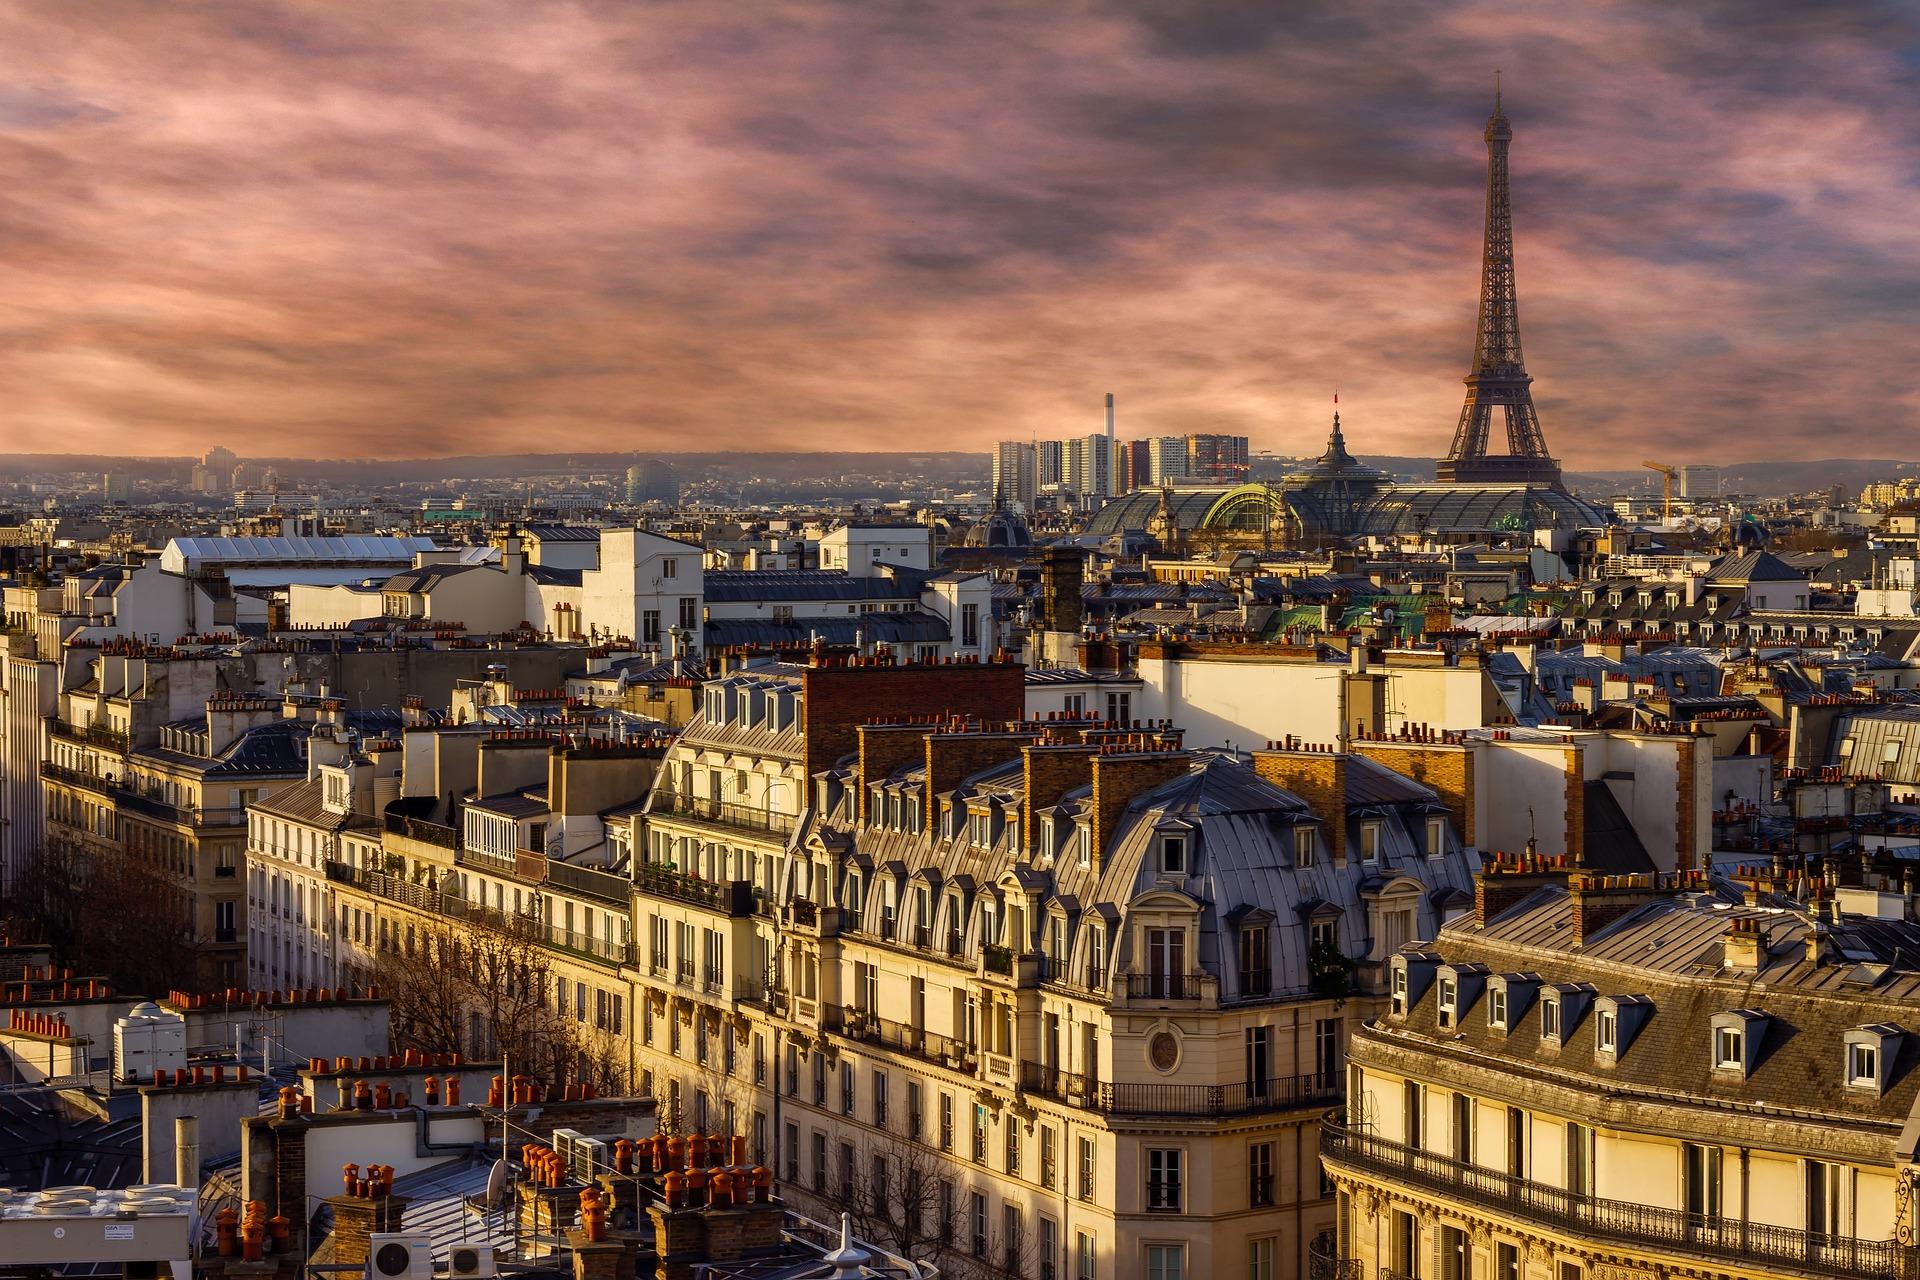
148,1039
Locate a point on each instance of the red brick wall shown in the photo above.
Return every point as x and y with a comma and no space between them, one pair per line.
836,699
1051,772
952,757
1319,778
1117,780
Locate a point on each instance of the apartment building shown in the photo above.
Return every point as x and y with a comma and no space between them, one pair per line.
1045,999
1598,1076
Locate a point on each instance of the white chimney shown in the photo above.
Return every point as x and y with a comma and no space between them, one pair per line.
186,1150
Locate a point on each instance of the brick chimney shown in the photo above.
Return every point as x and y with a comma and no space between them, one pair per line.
1319,778
1599,900
355,1219
1506,880
954,757
837,696
884,748
1051,771
1118,779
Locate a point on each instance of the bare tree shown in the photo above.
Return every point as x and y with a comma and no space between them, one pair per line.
104,912
475,986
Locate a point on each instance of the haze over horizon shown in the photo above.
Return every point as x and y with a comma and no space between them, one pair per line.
347,231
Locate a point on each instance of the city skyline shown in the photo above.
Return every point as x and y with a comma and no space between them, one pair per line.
345,233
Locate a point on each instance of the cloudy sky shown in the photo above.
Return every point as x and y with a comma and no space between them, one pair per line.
400,229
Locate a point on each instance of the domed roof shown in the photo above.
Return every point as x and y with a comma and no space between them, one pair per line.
1002,530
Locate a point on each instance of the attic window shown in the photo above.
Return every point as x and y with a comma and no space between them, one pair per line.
1890,754
1303,847
1400,989
1550,1018
1497,1008
1436,837
1083,843
1863,1065
1370,833
1606,1031
1173,854
1730,1049
1449,1001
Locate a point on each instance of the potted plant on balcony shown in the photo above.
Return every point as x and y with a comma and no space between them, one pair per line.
1330,971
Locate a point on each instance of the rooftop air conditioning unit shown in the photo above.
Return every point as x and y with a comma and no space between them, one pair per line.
391,1256
471,1262
566,1145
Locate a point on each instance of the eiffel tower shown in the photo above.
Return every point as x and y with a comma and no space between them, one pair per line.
1499,376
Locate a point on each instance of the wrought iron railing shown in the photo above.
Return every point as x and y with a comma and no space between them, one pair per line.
1324,1262
77,778
726,813
1163,986
729,897
1282,1093
1645,1226
97,734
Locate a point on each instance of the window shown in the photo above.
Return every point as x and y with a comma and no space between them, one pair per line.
1259,1046
1173,855
1049,1249
1550,1019
978,1213
1413,1096
819,1162
1256,963
1303,846
1086,1168
1011,1142
1260,1258
1463,1128
1325,932
1371,834
979,1134
1083,1250
689,613
946,1122
1516,1142
1260,1175
1863,1065
1827,1186
1579,1159
1606,1031
1700,1181
1163,1179
1506,1261
969,626
1400,989
1011,1235
1120,707
1436,837
1449,1000
650,626
1166,1262
1497,1008
1326,1050
1404,1243
670,568
1729,1048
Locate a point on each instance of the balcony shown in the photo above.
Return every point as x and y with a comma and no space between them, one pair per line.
869,1028
589,947
420,829
98,735
183,815
1166,986
1719,1241
1324,1264
1282,1093
724,813
77,778
590,882
728,897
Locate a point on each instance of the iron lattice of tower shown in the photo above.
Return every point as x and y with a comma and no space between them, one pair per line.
1499,378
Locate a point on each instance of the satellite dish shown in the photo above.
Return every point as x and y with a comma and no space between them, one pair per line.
497,1184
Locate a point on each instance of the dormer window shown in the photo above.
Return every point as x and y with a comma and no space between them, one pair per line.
1497,1008
1083,844
1436,837
1737,1036
1606,1032
980,829
1371,836
1870,1053
1173,854
1449,1000
1729,1049
1400,990
1303,847
853,892
1550,1018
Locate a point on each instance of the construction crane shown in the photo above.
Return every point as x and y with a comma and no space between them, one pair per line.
1667,474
